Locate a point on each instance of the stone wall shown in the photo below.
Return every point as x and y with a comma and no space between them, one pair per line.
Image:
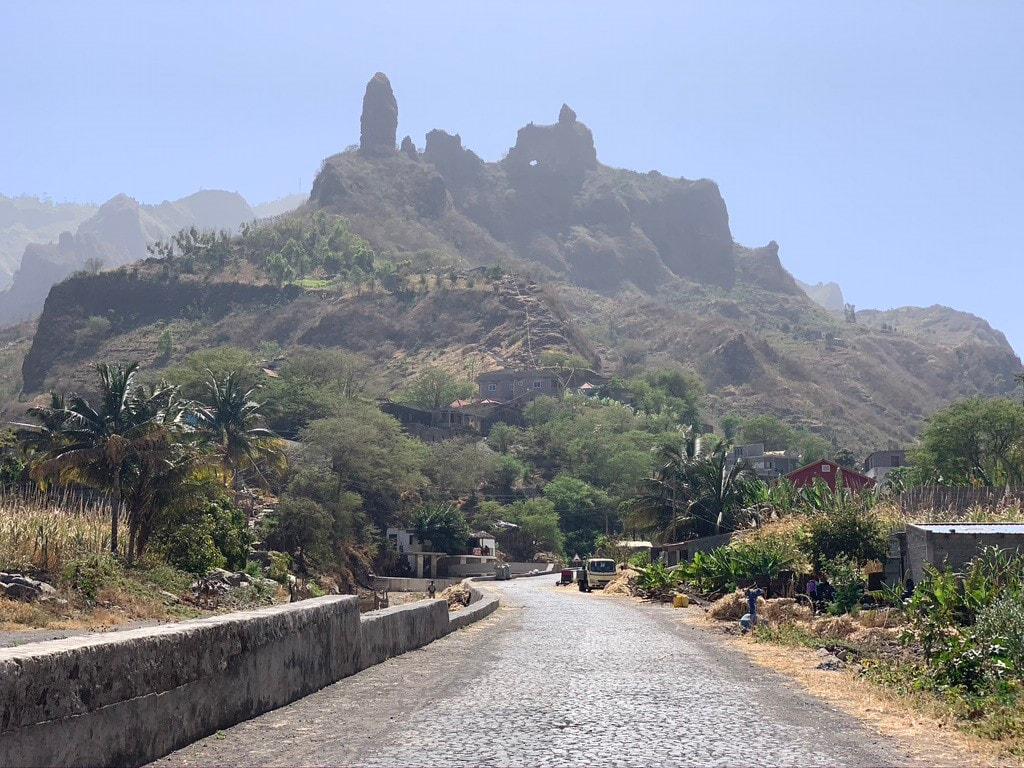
126,698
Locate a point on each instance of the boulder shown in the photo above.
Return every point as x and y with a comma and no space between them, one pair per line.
15,586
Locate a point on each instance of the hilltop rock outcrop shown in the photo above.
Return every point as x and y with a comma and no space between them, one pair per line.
378,124
549,203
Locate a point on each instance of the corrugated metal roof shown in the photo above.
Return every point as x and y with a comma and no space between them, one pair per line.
973,528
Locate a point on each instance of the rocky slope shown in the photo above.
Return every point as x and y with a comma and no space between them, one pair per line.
640,266
469,326
648,266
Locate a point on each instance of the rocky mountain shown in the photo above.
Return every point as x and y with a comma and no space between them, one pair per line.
632,269
25,220
117,234
648,266
828,296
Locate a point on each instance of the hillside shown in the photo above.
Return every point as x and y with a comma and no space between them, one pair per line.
639,266
468,325
116,233
648,266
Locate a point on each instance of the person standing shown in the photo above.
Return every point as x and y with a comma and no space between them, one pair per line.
752,594
431,589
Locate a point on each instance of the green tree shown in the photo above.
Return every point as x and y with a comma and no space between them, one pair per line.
536,529
703,494
435,388
974,441
731,425
230,419
444,526
768,430
366,453
583,511
459,467
130,444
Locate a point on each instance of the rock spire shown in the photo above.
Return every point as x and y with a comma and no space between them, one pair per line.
378,125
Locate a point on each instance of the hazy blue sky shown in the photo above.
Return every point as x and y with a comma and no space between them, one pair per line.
879,143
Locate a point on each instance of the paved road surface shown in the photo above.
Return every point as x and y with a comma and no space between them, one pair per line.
555,678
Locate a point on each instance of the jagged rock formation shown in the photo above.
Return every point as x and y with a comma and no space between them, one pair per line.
646,264
828,296
652,259
378,124
116,234
548,203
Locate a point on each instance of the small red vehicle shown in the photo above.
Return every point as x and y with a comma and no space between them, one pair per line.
568,577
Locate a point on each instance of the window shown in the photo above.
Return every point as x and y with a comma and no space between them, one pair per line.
825,469
538,384
492,387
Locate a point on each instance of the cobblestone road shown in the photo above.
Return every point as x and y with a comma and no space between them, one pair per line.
555,678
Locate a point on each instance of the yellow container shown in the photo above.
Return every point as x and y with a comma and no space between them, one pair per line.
680,601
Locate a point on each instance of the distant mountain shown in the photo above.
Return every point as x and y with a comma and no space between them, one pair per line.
277,207
116,234
828,296
25,220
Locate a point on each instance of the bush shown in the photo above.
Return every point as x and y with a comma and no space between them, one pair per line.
301,524
91,573
1000,629
200,535
280,566
846,530
848,582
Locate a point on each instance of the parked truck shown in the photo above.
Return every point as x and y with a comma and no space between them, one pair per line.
596,573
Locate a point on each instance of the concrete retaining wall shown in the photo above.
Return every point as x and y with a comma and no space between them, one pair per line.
411,584
126,698
480,605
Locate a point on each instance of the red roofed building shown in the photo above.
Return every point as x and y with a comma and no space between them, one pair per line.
826,471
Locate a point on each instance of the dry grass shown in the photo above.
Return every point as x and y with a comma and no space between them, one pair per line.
40,532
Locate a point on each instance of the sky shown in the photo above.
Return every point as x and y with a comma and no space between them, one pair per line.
879,143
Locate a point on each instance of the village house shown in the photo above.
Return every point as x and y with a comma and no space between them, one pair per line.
881,463
516,385
827,471
423,563
769,465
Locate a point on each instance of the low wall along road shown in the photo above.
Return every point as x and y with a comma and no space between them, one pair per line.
129,697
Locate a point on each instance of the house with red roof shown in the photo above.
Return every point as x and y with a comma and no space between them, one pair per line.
827,471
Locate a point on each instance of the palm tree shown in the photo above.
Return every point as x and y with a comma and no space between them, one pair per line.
229,421
99,447
698,492
722,489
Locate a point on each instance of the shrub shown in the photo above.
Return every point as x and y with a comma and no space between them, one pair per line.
280,566
91,573
848,582
1000,629
190,547
848,530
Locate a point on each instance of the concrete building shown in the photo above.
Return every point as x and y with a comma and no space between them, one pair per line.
515,385
423,563
683,551
769,465
881,463
951,544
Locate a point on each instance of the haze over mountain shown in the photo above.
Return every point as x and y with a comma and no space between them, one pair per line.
624,267
116,233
